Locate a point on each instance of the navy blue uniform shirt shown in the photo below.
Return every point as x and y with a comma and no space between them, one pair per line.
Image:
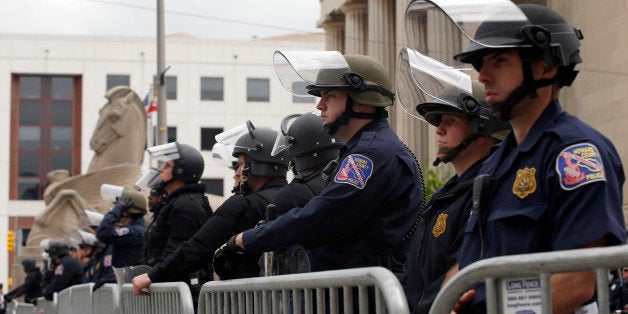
560,189
370,202
127,239
436,242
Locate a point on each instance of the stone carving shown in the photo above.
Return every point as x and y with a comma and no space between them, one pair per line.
118,142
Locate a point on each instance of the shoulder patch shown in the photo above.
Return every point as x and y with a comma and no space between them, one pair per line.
355,170
59,270
106,262
120,231
578,165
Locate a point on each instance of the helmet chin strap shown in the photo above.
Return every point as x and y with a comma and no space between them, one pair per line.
451,153
528,88
332,127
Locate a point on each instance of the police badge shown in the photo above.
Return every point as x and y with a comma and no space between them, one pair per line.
440,225
525,182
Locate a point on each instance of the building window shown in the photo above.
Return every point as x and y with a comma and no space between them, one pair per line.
257,90
212,88
213,186
46,115
117,80
208,137
171,87
172,134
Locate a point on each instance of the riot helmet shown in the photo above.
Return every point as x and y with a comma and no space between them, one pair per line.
365,80
486,26
148,180
256,145
304,136
222,155
188,161
28,264
58,248
428,89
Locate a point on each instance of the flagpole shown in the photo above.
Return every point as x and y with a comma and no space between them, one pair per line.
162,124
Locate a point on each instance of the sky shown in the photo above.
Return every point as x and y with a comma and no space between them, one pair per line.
212,19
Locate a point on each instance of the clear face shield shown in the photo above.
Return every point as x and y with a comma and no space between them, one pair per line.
423,80
110,192
164,152
441,29
83,237
222,155
229,138
148,180
300,71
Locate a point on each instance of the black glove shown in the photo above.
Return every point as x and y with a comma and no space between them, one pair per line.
49,296
123,203
227,259
8,298
100,282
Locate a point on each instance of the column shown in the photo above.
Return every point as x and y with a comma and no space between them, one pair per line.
334,35
356,18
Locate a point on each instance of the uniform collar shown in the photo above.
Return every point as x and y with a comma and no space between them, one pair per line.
375,124
542,124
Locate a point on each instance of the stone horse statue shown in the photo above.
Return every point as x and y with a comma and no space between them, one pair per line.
117,138
118,143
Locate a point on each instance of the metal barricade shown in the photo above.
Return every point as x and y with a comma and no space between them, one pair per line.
24,308
166,298
494,272
46,307
81,298
359,288
105,300
64,301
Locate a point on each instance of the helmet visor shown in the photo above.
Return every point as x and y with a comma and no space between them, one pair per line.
442,29
283,141
222,155
423,80
164,152
298,71
148,180
110,192
230,137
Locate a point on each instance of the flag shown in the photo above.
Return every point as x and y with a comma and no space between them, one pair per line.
150,101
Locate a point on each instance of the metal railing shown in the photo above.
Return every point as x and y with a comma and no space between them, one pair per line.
493,271
305,293
46,307
106,299
165,297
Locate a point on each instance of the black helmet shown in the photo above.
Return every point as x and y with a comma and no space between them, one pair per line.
307,142
473,107
58,248
28,264
546,34
256,145
188,162
431,89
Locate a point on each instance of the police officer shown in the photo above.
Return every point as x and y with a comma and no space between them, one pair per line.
556,181
465,131
374,193
186,207
31,288
68,270
123,228
310,149
155,203
263,174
